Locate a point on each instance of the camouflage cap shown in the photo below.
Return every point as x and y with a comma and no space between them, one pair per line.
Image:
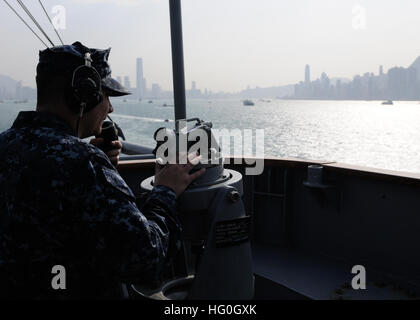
63,60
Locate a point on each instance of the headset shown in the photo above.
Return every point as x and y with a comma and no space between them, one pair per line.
86,89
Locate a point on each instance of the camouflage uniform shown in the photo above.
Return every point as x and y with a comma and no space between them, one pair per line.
62,202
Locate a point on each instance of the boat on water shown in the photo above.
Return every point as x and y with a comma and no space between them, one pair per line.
248,102
388,102
21,101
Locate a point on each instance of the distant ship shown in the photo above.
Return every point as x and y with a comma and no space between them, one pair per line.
21,101
150,101
248,103
389,102
125,100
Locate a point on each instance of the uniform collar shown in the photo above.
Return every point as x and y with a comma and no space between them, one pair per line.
37,119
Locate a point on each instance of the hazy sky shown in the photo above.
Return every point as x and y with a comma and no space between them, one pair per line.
228,44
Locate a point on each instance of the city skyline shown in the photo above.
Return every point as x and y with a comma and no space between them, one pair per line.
256,43
398,83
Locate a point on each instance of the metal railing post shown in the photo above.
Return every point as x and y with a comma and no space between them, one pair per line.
177,59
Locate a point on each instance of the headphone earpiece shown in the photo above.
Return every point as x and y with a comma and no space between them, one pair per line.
86,87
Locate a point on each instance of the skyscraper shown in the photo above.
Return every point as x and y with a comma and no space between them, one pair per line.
307,74
381,70
140,79
194,92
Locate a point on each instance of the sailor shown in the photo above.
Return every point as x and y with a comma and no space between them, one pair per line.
64,206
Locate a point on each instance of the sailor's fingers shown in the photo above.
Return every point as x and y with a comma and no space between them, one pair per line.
116,144
96,141
196,174
192,162
113,153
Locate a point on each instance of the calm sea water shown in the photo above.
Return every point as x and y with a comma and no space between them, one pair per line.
354,132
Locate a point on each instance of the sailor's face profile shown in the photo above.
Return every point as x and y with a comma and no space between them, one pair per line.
91,123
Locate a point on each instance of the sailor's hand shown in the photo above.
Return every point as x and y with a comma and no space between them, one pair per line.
114,153
177,176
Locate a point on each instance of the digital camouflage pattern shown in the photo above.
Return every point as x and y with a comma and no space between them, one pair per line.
62,202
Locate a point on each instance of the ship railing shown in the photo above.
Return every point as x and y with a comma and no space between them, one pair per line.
132,151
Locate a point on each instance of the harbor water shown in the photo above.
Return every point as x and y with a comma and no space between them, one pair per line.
363,133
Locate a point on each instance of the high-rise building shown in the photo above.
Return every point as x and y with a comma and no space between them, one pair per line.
381,70
194,92
127,82
119,79
140,79
307,74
